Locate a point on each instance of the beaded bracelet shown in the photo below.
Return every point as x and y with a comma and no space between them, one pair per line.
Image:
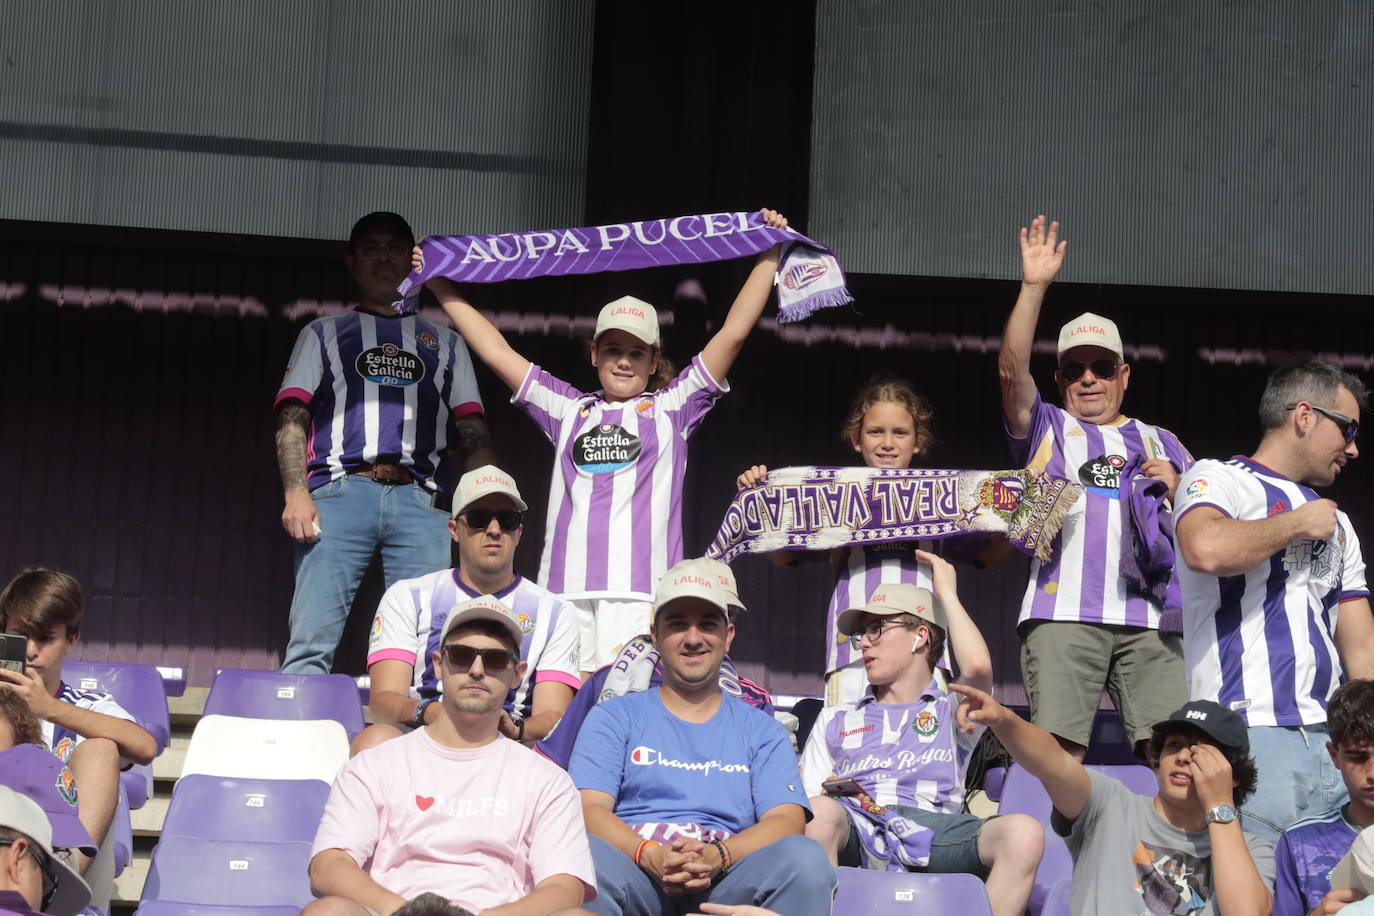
725,859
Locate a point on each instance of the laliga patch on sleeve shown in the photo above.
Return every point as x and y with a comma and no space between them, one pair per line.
1199,487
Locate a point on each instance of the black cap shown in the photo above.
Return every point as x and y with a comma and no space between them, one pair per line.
1218,722
381,219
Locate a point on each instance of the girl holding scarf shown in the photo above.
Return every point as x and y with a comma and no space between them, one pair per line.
614,521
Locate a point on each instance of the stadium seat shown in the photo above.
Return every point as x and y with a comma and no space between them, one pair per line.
1109,745
993,780
271,695
1057,902
138,688
187,870
1024,794
266,749
169,908
898,892
218,808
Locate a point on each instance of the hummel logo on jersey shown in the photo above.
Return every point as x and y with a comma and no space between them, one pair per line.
1195,714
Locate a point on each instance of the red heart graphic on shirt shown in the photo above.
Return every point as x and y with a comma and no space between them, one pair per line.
423,803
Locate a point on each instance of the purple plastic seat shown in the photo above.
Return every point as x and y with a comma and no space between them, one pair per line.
1057,902
900,893
1024,794
169,908
243,873
272,695
138,688
122,833
220,808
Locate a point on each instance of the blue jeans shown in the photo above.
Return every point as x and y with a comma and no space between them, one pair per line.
790,876
1296,778
358,516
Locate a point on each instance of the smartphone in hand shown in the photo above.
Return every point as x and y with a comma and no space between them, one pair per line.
14,651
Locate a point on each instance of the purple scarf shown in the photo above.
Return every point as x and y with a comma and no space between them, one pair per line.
1147,546
809,276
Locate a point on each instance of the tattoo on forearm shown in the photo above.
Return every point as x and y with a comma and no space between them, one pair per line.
293,421
473,434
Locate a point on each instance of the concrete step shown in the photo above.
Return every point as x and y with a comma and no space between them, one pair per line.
148,820
129,885
186,709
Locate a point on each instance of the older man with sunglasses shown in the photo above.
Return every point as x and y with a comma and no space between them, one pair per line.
1083,625
455,808
487,523
1275,605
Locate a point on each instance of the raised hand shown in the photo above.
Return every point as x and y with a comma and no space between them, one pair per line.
751,477
978,708
1212,779
942,572
1042,254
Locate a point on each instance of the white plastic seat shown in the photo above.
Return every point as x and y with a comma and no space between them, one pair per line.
230,746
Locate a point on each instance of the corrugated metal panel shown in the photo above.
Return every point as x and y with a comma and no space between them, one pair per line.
292,117
1182,144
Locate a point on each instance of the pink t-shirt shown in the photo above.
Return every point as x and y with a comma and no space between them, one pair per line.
479,826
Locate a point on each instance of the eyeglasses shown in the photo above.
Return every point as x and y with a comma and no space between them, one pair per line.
480,519
1350,427
1104,369
461,657
382,249
874,631
45,866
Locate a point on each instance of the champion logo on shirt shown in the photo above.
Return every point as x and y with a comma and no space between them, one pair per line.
390,365
605,450
647,756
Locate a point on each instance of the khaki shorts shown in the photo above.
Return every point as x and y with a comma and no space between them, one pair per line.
1065,665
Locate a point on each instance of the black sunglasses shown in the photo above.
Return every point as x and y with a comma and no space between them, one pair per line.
461,657
1104,369
1350,427
480,519
44,866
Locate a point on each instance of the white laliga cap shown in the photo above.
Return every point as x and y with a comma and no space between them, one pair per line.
698,578
484,481
484,607
633,316
890,600
1089,330
21,813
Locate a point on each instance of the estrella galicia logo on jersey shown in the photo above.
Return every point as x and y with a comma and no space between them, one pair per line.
427,340
605,449
925,724
1102,474
390,365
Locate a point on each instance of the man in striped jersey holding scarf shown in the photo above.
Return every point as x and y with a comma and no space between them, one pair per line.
1275,605
1083,625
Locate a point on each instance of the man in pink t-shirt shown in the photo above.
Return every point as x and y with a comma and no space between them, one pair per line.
454,808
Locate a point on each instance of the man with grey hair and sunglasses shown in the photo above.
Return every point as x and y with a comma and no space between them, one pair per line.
1083,624
1275,605
455,807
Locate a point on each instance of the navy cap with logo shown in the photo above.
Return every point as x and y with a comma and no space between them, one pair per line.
1218,722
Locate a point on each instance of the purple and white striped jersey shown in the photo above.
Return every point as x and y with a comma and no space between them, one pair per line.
381,390
1262,642
862,569
615,504
1082,582
410,621
909,754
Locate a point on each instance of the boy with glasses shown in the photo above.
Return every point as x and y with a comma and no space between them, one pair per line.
487,524
1275,605
371,403
892,765
1083,625
455,808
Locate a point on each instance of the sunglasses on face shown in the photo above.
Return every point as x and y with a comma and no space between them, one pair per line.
461,657
1104,369
1350,427
480,519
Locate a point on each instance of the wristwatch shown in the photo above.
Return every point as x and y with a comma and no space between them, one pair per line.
417,719
1221,814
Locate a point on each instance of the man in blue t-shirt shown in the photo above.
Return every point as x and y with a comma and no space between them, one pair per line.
689,794
1310,849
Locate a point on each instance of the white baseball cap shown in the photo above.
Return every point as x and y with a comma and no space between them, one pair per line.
21,813
698,578
726,576
484,607
890,600
631,315
484,481
1090,330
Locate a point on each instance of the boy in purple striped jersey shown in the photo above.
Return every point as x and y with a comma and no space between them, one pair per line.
1310,849
488,519
1084,625
370,404
1275,603
896,757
